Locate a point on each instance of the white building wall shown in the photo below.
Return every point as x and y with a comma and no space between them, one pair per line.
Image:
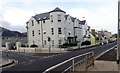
67,26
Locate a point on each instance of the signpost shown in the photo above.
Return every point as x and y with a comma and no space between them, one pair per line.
118,37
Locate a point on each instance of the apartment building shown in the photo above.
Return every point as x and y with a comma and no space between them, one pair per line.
56,25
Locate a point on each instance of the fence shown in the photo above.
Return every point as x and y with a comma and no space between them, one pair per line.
89,60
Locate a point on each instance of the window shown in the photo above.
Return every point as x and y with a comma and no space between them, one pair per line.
38,32
33,42
20,38
32,23
65,31
59,31
69,33
44,21
32,33
60,42
52,30
44,32
51,18
59,18
45,43
52,42
38,22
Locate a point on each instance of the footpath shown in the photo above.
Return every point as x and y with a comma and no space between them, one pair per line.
104,64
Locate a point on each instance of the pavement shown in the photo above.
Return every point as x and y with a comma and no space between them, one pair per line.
5,62
106,62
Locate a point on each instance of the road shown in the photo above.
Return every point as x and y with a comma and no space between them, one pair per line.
30,63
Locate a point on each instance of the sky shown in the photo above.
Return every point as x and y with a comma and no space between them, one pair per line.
100,14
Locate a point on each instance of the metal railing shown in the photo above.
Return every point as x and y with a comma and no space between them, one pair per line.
89,60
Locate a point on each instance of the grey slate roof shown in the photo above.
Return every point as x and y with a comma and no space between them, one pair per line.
12,34
57,10
44,16
9,33
41,16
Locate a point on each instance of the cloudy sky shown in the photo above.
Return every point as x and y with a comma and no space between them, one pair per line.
100,14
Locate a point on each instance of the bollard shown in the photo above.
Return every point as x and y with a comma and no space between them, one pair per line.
73,63
86,61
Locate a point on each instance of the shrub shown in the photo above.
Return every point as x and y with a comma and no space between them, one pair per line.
87,42
23,46
83,43
33,46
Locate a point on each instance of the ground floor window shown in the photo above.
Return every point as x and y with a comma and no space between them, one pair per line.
52,42
45,43
60,42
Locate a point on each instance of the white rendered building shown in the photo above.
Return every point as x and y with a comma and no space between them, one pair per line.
57,25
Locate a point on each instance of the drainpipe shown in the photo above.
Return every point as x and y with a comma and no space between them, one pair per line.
42,33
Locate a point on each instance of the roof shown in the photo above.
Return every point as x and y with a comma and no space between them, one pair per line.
8,33
57,10
66,17
41,16
12,34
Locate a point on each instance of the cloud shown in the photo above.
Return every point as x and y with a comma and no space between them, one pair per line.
102,16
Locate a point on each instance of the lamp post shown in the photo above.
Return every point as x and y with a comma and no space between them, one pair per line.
49,39
118,36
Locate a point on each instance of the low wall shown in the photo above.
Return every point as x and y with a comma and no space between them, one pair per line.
39,50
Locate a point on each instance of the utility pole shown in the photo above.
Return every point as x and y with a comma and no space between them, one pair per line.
118,36
0,38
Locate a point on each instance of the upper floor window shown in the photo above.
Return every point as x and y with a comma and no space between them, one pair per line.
44,21
38,22
59,31
59,18
32,33
52,30
51,18
38,32
32,23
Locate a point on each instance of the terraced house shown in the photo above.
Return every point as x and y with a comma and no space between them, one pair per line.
58,26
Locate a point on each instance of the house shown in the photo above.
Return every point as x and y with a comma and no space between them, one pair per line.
56,25
97,36
12,37
92,39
